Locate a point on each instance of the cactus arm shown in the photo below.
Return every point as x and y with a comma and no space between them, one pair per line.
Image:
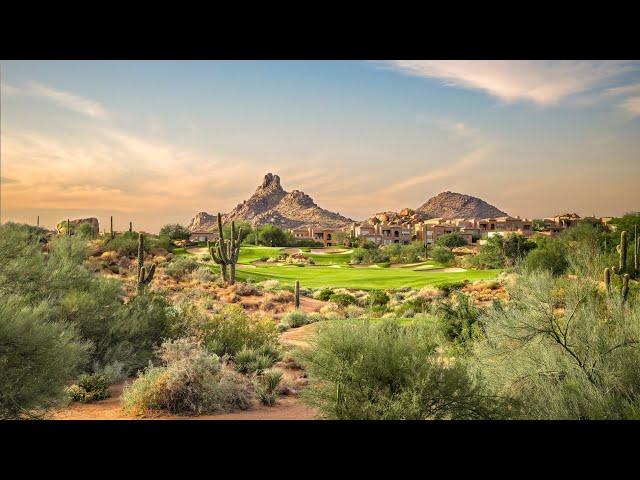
625,287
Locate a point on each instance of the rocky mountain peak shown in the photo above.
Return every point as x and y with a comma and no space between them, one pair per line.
270,203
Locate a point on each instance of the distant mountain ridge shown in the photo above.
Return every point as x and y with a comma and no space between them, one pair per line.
270,203
458,205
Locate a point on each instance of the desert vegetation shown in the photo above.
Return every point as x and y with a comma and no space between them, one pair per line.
355,333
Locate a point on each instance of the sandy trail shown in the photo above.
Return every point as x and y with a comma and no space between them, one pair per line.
289,407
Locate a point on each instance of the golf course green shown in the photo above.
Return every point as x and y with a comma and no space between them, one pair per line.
333,270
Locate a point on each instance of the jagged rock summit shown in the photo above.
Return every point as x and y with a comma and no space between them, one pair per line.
270,203
458,205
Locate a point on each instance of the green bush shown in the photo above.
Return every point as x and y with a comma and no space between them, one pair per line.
551,255
562,350
231,329
378,298
89,388
37,358
266,386
441,255
191,381
295,319
175,232
324,294
179,267
451,240
126,245
364,371
343,299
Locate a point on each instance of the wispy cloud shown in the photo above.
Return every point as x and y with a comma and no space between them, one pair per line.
480,149
632,106
62,98
540,82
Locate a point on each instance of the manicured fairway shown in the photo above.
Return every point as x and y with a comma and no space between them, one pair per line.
362,278
333,270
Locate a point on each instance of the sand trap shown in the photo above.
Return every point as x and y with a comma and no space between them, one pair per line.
446,270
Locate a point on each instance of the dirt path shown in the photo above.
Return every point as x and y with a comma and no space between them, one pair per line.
289,407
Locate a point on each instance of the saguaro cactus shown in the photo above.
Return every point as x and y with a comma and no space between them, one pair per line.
607,279
130,227
297,294
68,232
620,269
111,231
38,222
225,252
144,276
636,241
623,252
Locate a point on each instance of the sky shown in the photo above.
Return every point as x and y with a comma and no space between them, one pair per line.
154,142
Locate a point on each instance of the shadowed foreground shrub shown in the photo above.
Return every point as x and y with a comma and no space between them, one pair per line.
37,358
366,371
562,350
191,381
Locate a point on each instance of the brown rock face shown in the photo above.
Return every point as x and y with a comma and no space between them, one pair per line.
457,205
270,203
95,225
202,221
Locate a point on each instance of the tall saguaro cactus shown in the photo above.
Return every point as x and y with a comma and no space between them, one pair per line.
297,294
144,276
620,269
68,232
130,227
111,231
225,252
636,245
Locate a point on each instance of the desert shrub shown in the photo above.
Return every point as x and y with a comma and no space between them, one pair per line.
270,285
37,358
295,319
324,294
451,240
550,255
378,298
203,275
271,351
89,388
441,255
266,386
244,359
460,318
568,356
343,299
332,311
447,287
143,323
231,329
282,296
175,232
353,311
181,266
191,381
246,289
365,371
314,317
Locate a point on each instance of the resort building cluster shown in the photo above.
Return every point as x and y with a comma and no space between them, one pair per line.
387,228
